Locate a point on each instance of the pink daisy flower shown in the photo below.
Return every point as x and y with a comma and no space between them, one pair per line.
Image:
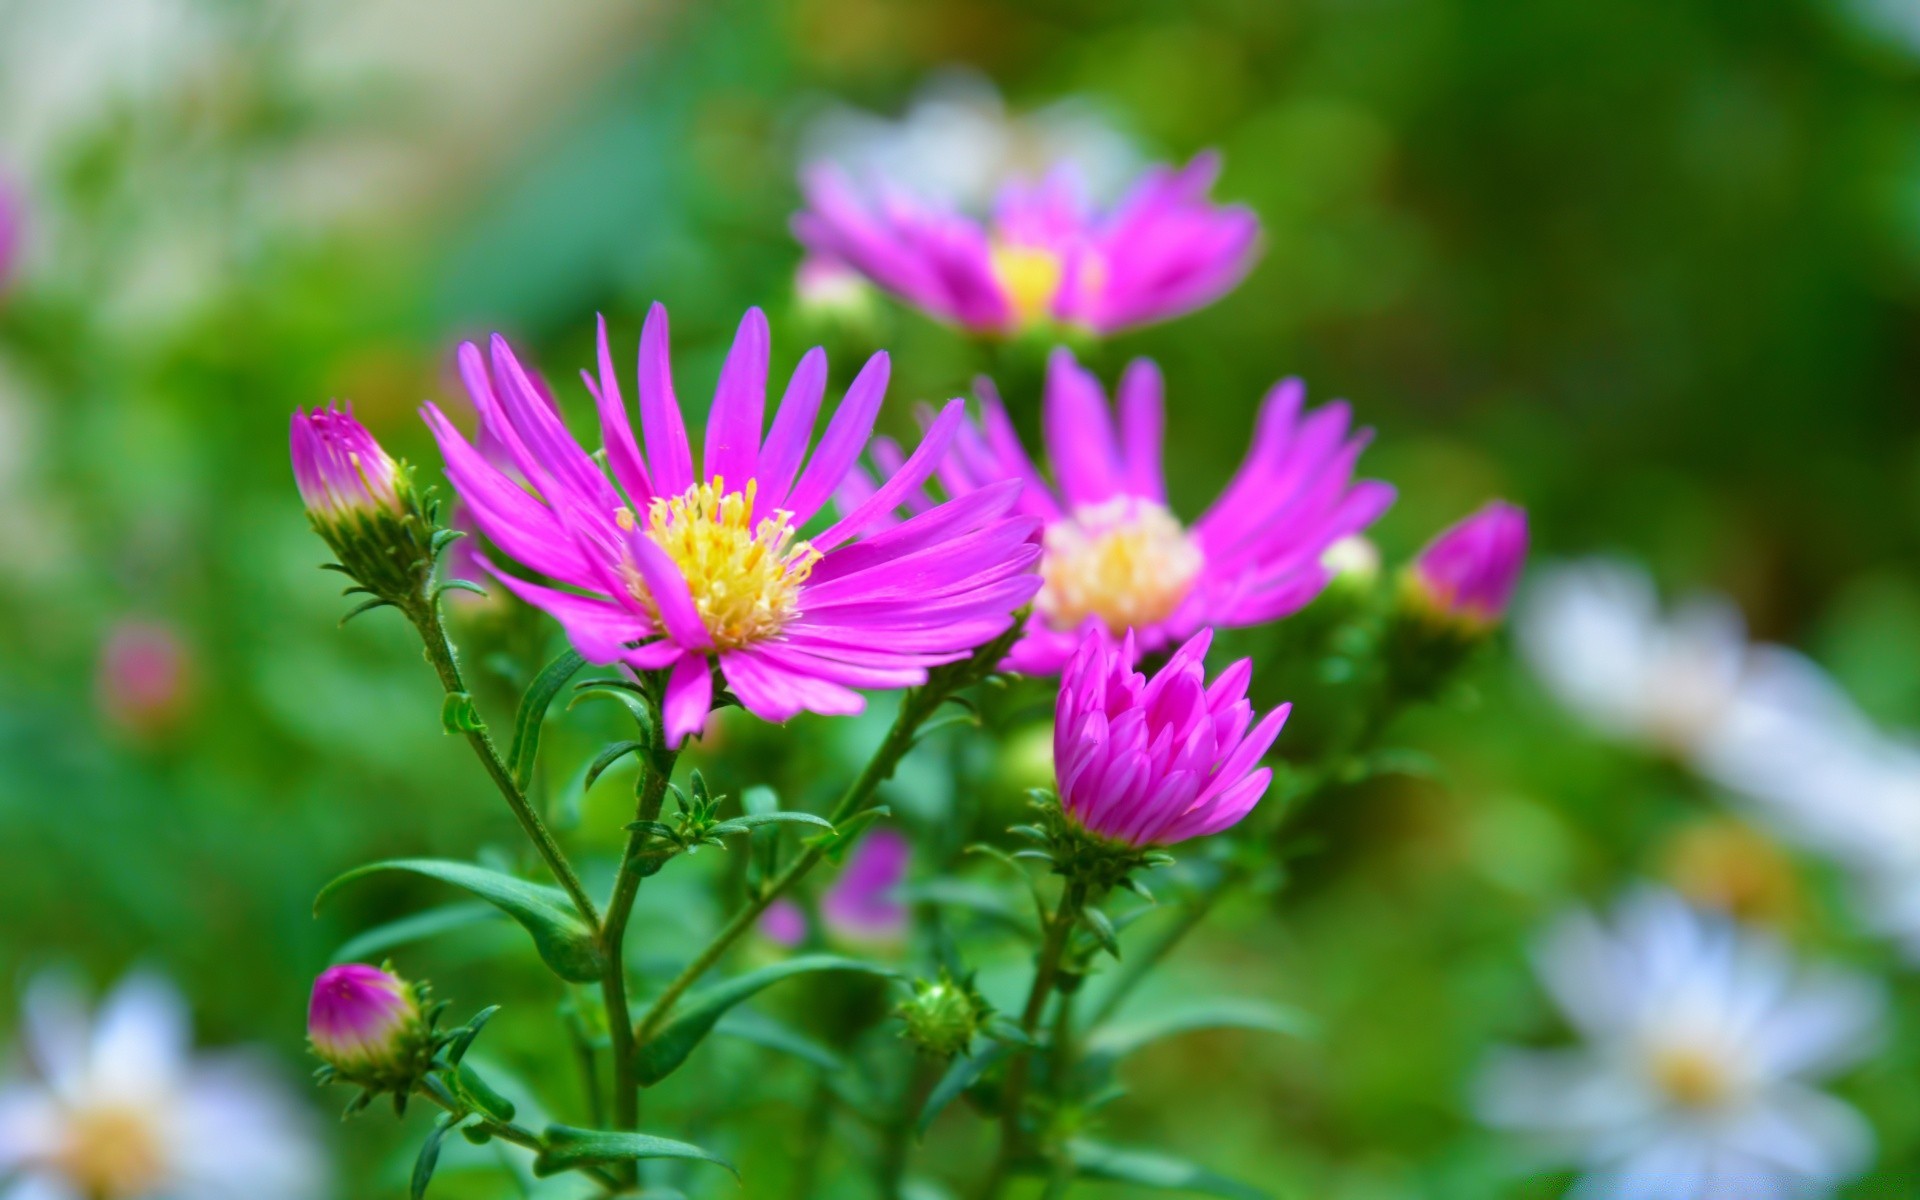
1469,571
1117,559
665,568
1046,254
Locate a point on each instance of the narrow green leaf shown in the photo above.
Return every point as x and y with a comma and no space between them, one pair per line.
1102,929
365,607
1151,1169
762,1030
569,1149
748,821
606,758
463,1040
563,940
478,1093
963,1074
430,1155
458,585
533,712
458,715
695,1016
414,928
1115,1041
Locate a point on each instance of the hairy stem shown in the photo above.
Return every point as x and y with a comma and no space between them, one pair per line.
651,793
1019,1070
425,615
915,708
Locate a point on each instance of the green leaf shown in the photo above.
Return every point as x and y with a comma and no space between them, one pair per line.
1116,1041
569,1149
762,1030
963,1074
695,1016
606,758
1102,929
972,897
365,607
430,1155
479,1094
417,927
463,1040
533,712
458,715
457,585
564,941
1151,1169
741,824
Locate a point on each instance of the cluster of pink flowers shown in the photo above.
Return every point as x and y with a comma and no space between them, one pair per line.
703,573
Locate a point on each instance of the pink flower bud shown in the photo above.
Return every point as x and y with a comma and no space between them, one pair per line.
363,1019
144,680
1152,762
1470,570
340,469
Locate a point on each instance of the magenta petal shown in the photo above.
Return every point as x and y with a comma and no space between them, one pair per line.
847,434
668,453
668,589
786,443
688,700
739,405
623,455
910,476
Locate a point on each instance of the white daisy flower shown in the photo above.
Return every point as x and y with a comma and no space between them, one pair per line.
114,1106
1700,1041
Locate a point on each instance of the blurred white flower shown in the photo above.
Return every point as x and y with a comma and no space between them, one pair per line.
1700,1041
114,1106
958,144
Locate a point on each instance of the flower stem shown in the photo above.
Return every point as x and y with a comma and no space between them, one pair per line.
892,1168
424,612
511,1132
915,707
651,794
1046,972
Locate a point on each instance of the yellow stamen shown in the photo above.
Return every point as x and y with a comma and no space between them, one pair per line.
1691,1077
1031,277
112,1152
745,579
1126,561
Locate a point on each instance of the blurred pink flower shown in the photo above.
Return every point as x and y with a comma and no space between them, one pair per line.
863,904
1153,762
1046,255
678,571
12,223
1470,570
144,680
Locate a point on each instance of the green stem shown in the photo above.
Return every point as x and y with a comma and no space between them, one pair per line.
920,1080
1046,971
652,793
425,615
915,708
511,1132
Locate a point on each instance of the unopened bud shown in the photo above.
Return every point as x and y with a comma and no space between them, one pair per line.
942,1015
369,1025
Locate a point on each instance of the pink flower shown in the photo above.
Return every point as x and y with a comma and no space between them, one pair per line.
668,570
1470,570
1116,557
1153,762
11,230
362,1017
1045,255
144,681
862,905
341,471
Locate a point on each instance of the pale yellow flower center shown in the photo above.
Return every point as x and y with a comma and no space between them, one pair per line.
112,1152
1031,277
1126,561
1691,1077
745,578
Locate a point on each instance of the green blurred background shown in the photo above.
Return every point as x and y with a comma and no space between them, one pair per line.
1650,267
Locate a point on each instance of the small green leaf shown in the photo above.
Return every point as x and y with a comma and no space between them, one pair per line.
417,927
695,1016
563,939
569,1149
478,1093
1114,1042
458,585
1101,927
533,712
963,1074
457,1048
762,1030
1150,1169
606,758
741,824
430,1155
458,715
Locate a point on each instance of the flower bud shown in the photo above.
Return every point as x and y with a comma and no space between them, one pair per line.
1467,574
942,1015
368,1024
833,293
364,504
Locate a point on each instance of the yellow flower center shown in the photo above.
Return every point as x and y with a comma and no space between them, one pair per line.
112,1152
1031,277
1126,561
1691,1077
745,578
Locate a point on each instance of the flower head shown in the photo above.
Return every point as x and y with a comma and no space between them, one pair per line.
1046,255
1699,1041
341,471
672,570
114,1105
1467,574
144,680
1117,558
863,904
1151,762
364,1021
